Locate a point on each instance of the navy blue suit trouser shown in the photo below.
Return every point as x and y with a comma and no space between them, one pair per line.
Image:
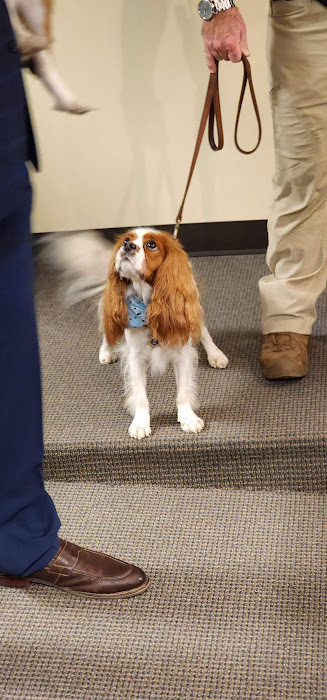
28,520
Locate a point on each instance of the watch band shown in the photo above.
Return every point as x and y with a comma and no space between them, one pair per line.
208,8
223,5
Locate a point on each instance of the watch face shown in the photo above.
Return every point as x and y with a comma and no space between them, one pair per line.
205,9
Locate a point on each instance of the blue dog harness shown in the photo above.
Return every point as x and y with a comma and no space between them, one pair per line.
136,311
137,314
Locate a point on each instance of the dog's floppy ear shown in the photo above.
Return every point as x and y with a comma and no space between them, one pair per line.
115,315
175,314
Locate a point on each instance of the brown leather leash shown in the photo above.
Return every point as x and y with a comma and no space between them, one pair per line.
212,110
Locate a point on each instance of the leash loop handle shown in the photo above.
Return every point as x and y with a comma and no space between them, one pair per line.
215,111
212,110
247,78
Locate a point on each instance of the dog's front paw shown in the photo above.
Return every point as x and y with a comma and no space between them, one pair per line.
107,356
217,359
190,422
140,427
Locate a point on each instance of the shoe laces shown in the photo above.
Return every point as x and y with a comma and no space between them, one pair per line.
285,341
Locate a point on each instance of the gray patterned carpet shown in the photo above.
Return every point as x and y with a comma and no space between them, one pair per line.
258,434
235,610
230,525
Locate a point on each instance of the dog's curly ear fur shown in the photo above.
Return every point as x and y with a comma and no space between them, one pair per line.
115,315
175,314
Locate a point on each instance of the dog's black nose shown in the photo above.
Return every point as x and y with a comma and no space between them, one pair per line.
128,246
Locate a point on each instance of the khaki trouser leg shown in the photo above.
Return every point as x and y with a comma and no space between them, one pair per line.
297,250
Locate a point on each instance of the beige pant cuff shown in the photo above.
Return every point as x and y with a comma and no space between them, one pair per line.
286,325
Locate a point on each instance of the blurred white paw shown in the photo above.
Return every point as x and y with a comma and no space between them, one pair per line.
71,106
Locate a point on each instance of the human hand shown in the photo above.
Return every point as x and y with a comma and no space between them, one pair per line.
224,38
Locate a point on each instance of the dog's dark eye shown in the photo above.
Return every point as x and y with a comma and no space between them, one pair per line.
151,244
126,240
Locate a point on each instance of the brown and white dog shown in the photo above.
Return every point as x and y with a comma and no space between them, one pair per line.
150,312
31,20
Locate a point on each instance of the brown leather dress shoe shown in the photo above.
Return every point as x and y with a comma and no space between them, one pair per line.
285,355
85,572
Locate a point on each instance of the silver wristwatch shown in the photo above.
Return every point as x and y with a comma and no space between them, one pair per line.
208,8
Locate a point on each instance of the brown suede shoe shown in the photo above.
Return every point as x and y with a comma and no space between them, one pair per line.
285,355
84,572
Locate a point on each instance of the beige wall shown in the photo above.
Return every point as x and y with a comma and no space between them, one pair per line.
141,64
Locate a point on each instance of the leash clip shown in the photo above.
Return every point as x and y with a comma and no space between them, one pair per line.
177,225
